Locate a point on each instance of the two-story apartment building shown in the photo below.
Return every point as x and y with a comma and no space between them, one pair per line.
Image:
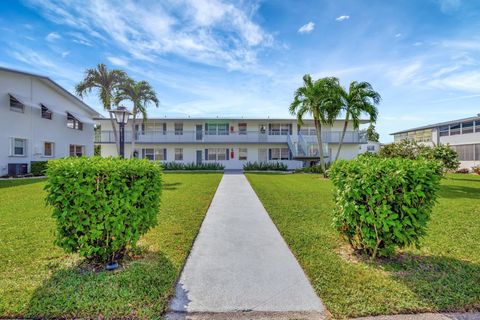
232,142
40,120
463,135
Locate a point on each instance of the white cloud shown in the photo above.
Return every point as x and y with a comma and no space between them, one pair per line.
65,54
342,18
210,32
53,36
398,35
417,44
118,61
448,6
468,81
307,28
404,74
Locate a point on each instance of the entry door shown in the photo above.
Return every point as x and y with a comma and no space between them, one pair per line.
198,132
199,156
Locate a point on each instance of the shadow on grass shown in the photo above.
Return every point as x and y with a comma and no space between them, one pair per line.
19,182
141,289
444,283
465,179
171,186
456,192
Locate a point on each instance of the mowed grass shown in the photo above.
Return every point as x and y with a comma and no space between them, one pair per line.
37,279
444,275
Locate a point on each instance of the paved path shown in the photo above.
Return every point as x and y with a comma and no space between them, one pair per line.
427,316
240,264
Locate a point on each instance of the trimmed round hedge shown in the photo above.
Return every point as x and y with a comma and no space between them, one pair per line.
103,205
382,204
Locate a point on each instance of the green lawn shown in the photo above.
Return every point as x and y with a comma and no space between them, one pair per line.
38,279
444,275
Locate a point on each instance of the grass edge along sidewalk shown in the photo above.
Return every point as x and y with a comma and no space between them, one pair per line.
442,276
38,279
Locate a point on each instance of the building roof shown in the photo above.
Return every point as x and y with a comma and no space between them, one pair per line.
228,118
439,124
52,83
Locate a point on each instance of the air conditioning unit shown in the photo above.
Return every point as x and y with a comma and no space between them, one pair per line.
16,169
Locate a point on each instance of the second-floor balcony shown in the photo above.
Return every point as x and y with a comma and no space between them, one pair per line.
227,137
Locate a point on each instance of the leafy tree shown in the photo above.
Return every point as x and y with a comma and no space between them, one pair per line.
320,99
141,94
372,135
358,100
105,82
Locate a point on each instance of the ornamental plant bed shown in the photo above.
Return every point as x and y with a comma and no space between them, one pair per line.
103,205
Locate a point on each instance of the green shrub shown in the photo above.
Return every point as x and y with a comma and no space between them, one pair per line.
383,203
192,166
102,205
413,150
38,168
265,166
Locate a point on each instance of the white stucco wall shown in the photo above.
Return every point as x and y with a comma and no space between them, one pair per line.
31,126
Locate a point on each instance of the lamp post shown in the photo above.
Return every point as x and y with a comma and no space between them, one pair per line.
121,116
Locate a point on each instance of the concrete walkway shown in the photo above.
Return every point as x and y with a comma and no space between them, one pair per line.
240,266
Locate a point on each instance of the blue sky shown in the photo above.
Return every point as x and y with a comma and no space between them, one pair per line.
246,58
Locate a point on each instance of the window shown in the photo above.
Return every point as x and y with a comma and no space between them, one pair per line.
477,126
370,148
242,128
179,154
148,153
215,154
242,153
154,154
262,128
467,127
220,129
465,152
46,114
178,128
279,154
19,147
477,152
76,150
279,129
74,123
454,129
262,155
444,131
48,149
16,105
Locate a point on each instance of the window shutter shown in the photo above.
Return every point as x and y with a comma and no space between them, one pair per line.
269,128
165,154
290,129
290,156
164,128
269,154
206,128
227,154
206,154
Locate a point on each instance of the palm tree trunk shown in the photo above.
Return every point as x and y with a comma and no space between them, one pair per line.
115,133
318,130
345,125
134,134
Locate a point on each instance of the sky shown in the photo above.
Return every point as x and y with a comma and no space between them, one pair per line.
246,58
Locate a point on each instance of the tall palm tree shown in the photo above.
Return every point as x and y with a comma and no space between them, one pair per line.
319,99
141,94
360,99
105,82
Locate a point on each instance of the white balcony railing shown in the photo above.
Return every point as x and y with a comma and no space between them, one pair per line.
230,137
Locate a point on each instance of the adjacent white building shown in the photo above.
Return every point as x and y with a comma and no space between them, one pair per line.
231,142
40,120
463,135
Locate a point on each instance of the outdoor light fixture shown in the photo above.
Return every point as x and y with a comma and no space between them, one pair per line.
121,115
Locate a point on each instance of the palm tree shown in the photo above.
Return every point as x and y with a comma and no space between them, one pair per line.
319,99
105,82
360,99
141,94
